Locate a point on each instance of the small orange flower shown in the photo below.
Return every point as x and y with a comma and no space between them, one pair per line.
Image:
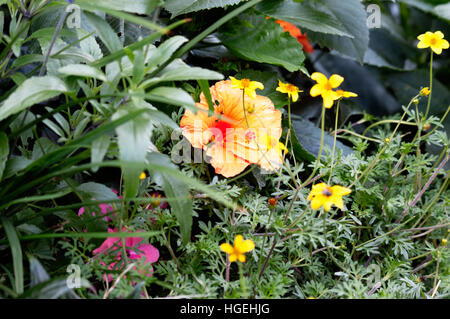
296,33
272,202
225,136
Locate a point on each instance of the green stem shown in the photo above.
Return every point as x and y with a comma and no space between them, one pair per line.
334,141
321,145
431,85
242,280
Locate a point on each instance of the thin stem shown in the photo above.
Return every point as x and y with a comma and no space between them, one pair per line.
431,85
334,140
242,280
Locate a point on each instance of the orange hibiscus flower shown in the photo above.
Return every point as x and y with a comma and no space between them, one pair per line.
296,33
234,139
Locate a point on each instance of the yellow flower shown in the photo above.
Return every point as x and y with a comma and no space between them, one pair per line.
444,241
248,86
346,94
290,89
322,194
143,175
241,247
387,139
425,91
325,86
435,41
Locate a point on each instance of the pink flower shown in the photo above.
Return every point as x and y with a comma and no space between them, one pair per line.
143,252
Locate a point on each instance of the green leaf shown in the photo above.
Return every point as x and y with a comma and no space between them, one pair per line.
163,52
177,7
135,6
4,152
352,15
171,95
98,150
32,91
96,191
134,142
263,41
177,192
177,70
307,140
104,31
82,70
303,15
204,86
16,251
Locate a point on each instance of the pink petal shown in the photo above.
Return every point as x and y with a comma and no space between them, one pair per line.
150,252
81,211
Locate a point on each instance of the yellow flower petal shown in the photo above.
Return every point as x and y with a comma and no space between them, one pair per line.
232,257
241,258
227,248
316,90
336,80
319,78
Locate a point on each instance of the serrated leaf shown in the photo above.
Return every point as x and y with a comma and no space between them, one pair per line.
303,15
352,15
177,7
32,91
135,6
261,40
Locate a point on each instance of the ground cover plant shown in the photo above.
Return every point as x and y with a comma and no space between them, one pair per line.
224,149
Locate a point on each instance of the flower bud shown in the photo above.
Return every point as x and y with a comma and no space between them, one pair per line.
425,91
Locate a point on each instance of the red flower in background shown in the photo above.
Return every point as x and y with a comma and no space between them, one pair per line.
296,33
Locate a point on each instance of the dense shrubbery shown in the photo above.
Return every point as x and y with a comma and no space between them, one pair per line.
224,149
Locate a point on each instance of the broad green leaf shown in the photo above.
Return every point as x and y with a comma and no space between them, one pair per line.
385,50
177,7
303,15
27,59
135,6
257,39
32,91
104,32
98,150
4,152
171,95
177,70
134,141
89,44
178,192
204,86
82,70
16,251
96,191
307,140
163,52
352,15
